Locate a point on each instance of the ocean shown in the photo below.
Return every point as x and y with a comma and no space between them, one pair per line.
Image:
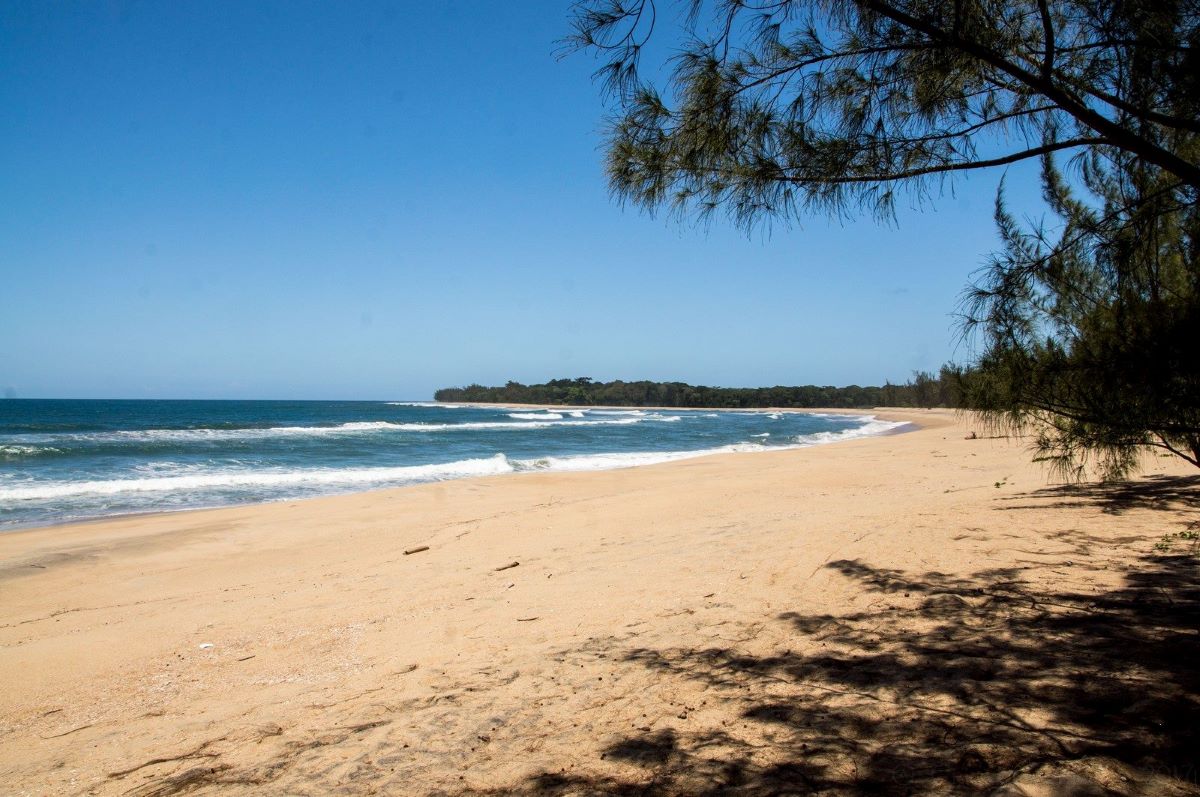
65,460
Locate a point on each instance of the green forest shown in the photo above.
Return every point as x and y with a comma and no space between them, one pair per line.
944,389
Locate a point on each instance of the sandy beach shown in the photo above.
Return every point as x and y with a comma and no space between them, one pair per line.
918,613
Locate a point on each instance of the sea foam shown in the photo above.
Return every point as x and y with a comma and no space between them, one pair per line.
23,444
59,468
497,464
627,459
435,404
13,452
235,479
870,427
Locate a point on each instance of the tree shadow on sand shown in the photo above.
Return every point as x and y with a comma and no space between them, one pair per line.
1115,498
947,685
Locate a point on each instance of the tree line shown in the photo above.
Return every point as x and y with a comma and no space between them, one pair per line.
946,388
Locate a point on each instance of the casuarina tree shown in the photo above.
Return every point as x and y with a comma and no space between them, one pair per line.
1083,324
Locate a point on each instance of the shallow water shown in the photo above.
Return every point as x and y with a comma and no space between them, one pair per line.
64,460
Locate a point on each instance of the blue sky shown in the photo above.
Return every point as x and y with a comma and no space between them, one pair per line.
372,200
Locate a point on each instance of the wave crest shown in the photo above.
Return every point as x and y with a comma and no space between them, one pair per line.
23,444
248,479
18,451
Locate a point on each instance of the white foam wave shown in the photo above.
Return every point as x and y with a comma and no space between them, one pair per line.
245,479
539,424
217,480
869,427
630,459
436,404
14,451
584,462
537,416
510,425
617,412
543,421
208,434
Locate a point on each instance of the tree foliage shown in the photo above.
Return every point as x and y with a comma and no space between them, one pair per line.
779,108
1090,332
944,389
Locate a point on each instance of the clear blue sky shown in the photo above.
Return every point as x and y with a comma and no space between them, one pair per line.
372,200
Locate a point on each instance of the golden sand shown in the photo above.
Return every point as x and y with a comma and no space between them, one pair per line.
917,613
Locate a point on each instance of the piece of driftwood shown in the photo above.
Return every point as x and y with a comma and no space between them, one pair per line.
416,550
507,567
68,733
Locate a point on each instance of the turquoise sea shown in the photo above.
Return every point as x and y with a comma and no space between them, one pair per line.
63,460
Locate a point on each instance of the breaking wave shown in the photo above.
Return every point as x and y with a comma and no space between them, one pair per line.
27,444
242,479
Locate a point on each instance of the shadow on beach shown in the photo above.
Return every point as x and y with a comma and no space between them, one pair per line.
947,685
1114,498
1056,676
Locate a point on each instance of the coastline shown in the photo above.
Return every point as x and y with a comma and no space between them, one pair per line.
802,614
911,421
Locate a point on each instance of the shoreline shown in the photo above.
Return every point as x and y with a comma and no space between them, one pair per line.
824,618
58,524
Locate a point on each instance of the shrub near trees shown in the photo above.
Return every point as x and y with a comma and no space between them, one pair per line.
1084,327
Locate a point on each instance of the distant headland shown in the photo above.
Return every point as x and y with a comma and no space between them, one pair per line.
944,389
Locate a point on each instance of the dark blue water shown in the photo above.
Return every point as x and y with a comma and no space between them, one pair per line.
66,460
